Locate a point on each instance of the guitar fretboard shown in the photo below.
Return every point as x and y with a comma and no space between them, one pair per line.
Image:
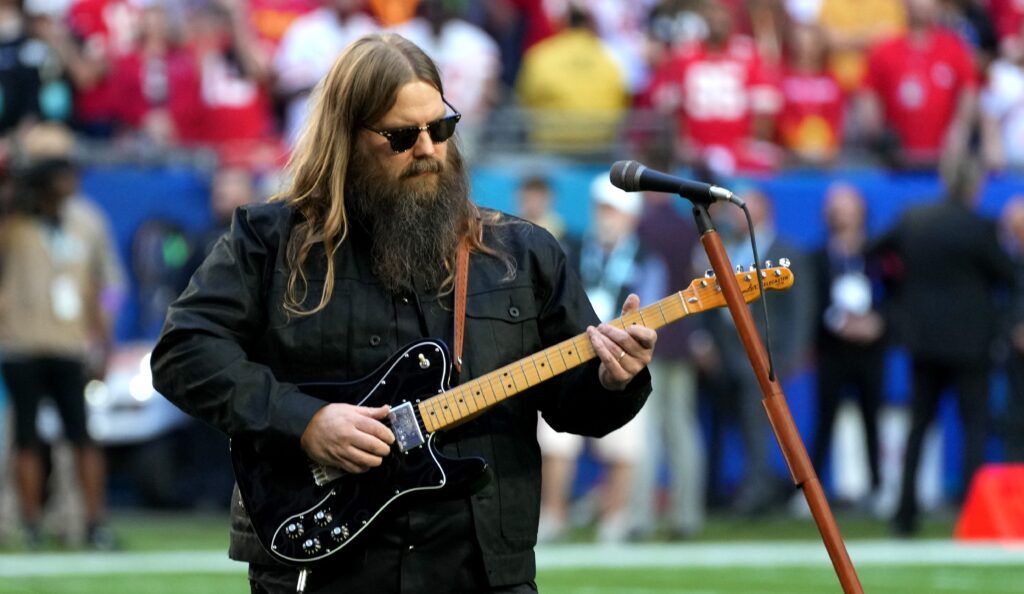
466,400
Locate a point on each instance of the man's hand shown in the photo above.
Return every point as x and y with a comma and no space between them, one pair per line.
623,353
348,437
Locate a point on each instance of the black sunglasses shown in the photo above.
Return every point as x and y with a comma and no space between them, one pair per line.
403,139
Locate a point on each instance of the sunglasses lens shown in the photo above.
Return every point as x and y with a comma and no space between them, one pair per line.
442,129
404,139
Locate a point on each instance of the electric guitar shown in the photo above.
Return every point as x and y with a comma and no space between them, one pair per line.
304,512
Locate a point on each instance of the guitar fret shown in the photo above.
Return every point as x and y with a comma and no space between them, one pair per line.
661,309
545,365
536,371
457,394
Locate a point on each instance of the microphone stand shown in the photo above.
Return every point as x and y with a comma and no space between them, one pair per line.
774,402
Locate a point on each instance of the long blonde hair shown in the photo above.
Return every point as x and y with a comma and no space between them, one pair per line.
360,88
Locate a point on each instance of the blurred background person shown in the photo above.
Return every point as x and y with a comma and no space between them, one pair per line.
850,327
736,395
1002,120
55,331
851,28
723,96
535,203
671,424
573,87
810,123
469,61
1012,221
308,49
611,265
156,83
919,98
949,255
33,80
234,101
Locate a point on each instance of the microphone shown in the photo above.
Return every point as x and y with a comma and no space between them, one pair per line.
631,176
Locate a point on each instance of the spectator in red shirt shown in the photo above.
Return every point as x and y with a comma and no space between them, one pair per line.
156,84
97,32
724,97
810,124
922,86
234,113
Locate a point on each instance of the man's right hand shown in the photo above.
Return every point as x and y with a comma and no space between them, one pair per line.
348,437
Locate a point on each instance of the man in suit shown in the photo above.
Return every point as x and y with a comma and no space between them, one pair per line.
951,264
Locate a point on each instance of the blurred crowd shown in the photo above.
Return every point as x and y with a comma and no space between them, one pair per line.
722,87
739,85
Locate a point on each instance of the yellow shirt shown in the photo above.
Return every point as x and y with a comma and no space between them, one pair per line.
575,92
867,20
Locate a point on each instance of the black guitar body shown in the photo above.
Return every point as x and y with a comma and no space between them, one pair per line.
301,522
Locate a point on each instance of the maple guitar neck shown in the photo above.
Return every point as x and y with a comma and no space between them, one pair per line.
464,401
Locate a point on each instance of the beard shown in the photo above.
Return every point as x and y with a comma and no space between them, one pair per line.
415,221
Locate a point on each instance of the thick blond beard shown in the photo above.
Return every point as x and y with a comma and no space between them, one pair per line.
414,228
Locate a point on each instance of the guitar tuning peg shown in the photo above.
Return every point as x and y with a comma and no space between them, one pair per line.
752,267
739,268
767,263
784,262
709,273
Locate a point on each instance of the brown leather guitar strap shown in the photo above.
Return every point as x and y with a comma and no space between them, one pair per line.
461,279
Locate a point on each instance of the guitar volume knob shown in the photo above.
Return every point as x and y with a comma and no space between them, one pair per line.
322,517
294,530
339,533
311,546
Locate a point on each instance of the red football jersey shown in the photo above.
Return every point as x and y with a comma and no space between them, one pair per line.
715,94
919,86
811,120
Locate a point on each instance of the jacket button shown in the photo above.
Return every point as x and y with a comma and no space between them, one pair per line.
513,311
374,340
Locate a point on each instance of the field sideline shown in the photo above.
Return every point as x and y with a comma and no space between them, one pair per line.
943,553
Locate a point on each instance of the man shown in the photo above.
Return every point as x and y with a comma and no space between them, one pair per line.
850,328
950,257
723,96
377,187
922,86
1012,221
59,282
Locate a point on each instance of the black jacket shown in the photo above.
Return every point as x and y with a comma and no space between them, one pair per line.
951,266
231,356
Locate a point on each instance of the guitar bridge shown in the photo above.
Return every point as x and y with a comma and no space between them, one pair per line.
406,427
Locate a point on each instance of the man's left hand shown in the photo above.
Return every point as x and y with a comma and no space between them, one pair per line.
623,353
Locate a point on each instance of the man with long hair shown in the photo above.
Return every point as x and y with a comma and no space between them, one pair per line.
357,258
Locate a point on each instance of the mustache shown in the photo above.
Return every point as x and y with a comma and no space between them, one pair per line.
423,165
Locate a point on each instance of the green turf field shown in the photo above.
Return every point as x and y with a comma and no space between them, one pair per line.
164,554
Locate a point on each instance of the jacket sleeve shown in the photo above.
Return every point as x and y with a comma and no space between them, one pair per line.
201,362
579,403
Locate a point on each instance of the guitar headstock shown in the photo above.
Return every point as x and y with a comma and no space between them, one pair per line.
706,293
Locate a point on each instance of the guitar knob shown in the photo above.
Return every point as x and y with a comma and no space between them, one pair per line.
294,530
322,518
339,533
311,546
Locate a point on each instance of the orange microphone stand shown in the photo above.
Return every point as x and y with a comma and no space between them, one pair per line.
774,402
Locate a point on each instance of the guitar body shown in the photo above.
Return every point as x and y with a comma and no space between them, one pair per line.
302,522
303,512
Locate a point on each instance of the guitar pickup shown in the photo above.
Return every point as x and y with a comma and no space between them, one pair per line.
406,427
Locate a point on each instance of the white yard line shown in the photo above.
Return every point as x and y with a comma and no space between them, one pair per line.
686,555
